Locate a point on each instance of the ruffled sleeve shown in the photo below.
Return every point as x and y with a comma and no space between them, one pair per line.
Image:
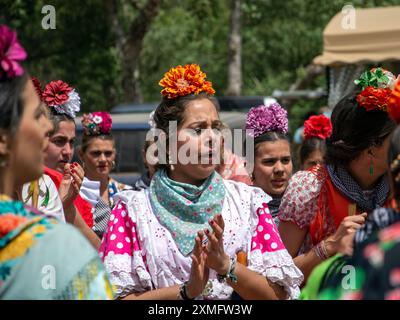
268,255
121,253
299,203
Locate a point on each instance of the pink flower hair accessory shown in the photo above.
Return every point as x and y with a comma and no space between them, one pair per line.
63,98
97,123
263,119
11,53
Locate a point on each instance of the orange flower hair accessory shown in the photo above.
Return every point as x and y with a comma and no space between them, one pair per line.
182,81
374,98
377,89
394,103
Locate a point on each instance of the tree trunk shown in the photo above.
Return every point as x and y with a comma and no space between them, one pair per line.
130,72
112,12
235,52
129,44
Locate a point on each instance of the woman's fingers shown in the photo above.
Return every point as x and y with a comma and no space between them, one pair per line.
212,239
195,261
67,172
198,255
220,221
197,247
76,187
76,183
352,225
67,167
79,170
201,236
216,235
77,179
216,227
360,218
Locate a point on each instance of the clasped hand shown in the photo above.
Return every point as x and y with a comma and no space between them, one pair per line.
208,255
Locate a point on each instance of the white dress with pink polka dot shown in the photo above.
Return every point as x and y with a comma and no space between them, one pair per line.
141,255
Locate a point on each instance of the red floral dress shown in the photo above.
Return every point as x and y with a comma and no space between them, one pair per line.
301,202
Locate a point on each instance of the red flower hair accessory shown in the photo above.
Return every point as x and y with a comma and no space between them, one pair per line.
182,81
63,98
379,91
317,127
97,123
374,98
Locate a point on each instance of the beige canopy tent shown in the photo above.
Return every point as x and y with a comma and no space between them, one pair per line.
373,36
357,37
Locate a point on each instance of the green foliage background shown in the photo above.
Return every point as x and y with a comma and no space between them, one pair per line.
279,39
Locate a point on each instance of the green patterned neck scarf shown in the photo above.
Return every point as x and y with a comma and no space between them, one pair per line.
184,209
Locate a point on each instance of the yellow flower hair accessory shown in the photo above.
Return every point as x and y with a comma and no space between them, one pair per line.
182,81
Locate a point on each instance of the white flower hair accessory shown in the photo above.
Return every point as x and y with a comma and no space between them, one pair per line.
151,121
72,106
63,98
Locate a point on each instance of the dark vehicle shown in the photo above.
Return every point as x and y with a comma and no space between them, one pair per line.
134,107
242,103
129,131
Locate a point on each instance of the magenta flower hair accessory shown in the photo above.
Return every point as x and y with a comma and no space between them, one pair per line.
263,119
97,123
11,53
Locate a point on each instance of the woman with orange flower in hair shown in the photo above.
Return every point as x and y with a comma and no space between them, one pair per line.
312,150
192,234
326,203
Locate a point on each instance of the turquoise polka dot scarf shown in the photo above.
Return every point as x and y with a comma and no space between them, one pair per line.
184,209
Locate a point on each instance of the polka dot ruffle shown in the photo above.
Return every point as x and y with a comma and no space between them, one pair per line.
266,236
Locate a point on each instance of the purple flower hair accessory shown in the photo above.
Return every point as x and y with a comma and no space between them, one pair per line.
11,53
263,119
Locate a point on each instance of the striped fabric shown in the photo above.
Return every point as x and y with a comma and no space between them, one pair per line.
101,215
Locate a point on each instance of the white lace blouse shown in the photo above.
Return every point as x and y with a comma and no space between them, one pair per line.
140,254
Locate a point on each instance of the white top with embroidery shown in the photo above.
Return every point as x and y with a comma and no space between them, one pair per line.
47,188
140,254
